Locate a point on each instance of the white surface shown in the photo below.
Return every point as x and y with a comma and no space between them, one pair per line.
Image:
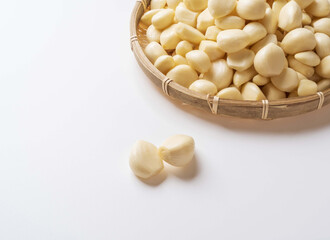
73,100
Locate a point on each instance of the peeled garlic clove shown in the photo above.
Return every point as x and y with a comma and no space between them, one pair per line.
270,60
184,15
319,8
306,19
144,160
157,4
183,75
212,33
298,40
260,80
196,5
256,32
211,49
147,17
153,51
232,40
322,25
163,19
323,69
230,93
277,7
322,45
165,63
241,60
307,87
290,16
287,81
169,39
270,38
251,9
270,21
272,93
252,92
230,22
183,48
323,85
309,58
199,61
221,8
189,33
220,74
153,34
179,60
244,76
204,87
173,3
304,3
177,150
305,70
204,20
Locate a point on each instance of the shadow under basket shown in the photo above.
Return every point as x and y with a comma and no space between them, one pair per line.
265,109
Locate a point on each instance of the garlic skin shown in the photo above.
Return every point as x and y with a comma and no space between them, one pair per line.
177,150
144,160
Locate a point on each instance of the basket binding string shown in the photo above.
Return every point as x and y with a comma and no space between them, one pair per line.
165,84
143,3
133,39
213,102
321,102
265,109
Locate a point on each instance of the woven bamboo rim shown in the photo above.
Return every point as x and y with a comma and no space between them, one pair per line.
265,109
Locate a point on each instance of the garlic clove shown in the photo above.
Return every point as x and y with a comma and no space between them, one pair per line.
144,160
221,8
324,68
183,75
177,150
220,74
287,81
322,85
307,87
199,60
270,60
252,92
290,17
184,15
272,93
298,40
203,86
230,93
244,76
157,4
187,32
251,10
196,5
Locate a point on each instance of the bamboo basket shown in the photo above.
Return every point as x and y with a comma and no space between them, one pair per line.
265,109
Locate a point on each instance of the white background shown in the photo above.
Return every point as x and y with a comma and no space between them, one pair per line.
73,101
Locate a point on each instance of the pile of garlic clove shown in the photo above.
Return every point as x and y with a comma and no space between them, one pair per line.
242,50
147,161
